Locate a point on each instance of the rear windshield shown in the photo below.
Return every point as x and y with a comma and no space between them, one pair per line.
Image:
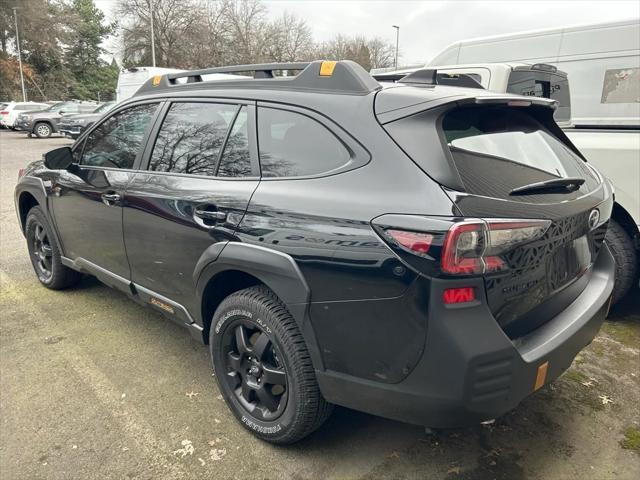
497,149
536,83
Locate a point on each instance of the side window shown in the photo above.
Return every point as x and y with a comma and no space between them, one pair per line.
294,145
118,140
191,137
70,108
236,160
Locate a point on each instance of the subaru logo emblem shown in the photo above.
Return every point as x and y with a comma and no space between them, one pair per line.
594,218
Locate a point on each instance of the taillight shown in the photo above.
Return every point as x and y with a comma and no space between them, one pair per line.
4,113
415,242
21,173
474,247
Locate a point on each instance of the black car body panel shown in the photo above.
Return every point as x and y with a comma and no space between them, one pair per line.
372,314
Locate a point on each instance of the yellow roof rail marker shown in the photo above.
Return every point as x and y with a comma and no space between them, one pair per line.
326,68
156,80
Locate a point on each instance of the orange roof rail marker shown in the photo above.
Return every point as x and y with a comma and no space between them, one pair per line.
326,68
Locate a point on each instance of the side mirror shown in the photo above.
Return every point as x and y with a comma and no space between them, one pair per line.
58,159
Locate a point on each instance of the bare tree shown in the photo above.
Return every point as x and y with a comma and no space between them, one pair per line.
202,33
382,54
174,24
291,39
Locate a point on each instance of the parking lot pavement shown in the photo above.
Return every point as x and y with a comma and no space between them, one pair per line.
94,386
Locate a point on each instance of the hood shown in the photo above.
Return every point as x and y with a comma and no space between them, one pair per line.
43,114
81,117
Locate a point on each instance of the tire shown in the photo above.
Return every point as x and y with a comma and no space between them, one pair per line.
42,130
44,253
626,258
256,347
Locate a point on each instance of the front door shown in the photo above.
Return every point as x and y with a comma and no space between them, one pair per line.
87,200
200,175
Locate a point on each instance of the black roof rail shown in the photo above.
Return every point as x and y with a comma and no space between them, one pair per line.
340,77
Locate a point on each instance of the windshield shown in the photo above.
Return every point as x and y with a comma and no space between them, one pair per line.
56,106
105,107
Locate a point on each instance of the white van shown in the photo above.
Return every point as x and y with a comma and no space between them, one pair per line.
131,79
602,62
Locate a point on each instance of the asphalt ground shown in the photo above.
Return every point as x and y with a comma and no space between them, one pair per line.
93,386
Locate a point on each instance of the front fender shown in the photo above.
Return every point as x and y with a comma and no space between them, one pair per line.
36,187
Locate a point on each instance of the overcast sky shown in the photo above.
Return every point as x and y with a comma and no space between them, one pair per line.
426,27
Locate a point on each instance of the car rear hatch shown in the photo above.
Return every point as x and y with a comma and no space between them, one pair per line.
537,210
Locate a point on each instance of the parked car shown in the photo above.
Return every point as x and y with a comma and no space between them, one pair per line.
43,123
9,112
426,253
73,125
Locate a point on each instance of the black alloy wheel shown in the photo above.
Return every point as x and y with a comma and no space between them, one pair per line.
44,252
41,252
254,370
263,368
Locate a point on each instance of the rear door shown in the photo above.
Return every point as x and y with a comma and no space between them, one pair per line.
198,177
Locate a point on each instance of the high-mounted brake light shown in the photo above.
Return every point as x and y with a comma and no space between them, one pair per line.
414,241
474,247
519,103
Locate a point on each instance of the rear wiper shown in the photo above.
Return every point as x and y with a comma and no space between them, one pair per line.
569,184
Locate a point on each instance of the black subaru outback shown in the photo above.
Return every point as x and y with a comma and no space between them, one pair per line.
426,253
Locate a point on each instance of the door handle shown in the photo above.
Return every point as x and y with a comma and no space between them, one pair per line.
216,216
110,198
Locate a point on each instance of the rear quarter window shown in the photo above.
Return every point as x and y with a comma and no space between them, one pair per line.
294,145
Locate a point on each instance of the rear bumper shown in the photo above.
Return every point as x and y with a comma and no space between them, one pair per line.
470,370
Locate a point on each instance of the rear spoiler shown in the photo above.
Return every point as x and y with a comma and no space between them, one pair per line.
390,114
